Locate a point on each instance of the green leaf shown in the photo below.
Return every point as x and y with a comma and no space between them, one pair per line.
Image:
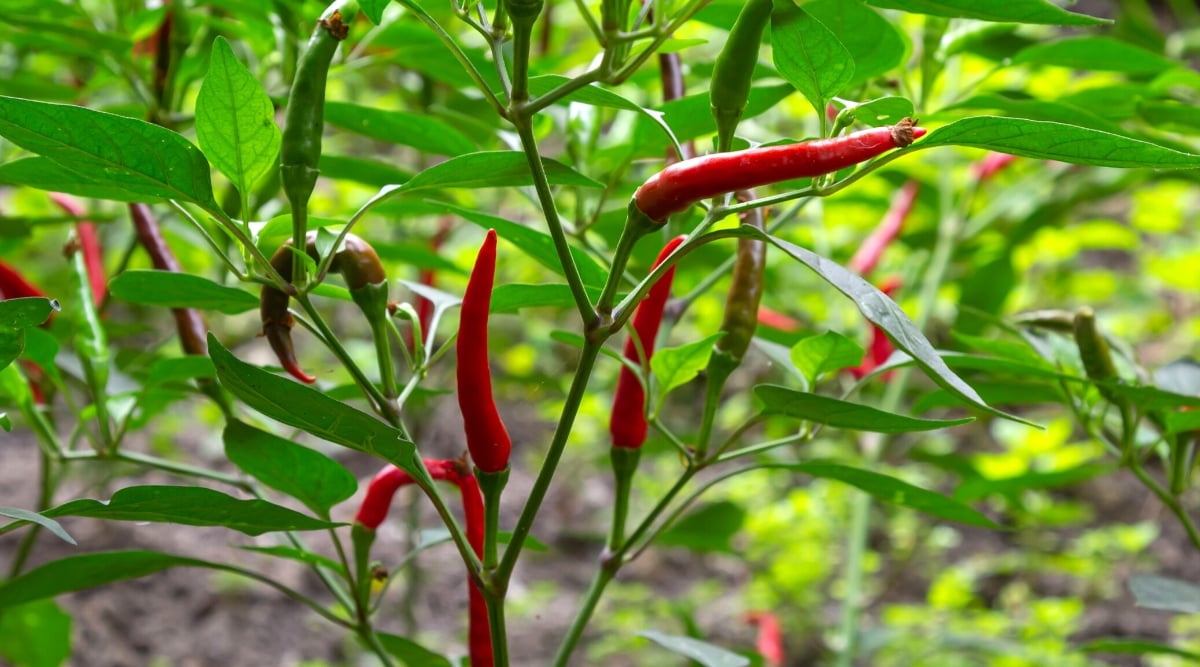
302,473
292,553
809,56
884,313
512,297
842,414
1056,141
235,121
361,170
419,131
46,174
690,118
49,524
884,111
702,652
1003,11
489,169
708,529
373,9
982,487
995,393
1153,591
191,506
1127,646
895,491
1096,54
181,369
537,244
15,316
5,422
12,344
872,41
309,410
411,653
830,351
110,150
674,367
180,290
37,634
79,572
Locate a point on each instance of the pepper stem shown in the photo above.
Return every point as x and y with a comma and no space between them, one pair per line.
491,484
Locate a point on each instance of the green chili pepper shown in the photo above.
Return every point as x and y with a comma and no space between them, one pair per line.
91,341
1094,352
734,70
304,122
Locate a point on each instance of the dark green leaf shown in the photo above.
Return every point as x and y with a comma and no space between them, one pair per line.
1126,646
702,652
1004,11
180,290
884,313
110,150
787,402
361,170
1056,141
512,297
420,131
12,344
411,653
46,174
24,312
808,55
302,556
871,40
1094,53
302,473
310,410
191,506
884,111
895,491
76,573
49,524
995,393
537,244
37,634
235,121
181,369
1153,591
708,529
830,351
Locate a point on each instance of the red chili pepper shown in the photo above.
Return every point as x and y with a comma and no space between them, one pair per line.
374,510
991,165
682,184
871,250
881,345
14,286
487,439
627,423
769,317
189,322
89,243
770,636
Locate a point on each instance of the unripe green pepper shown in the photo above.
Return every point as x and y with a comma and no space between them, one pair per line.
734,70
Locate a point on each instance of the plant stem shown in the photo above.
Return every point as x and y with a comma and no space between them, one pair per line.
47,483
537,494
546,199
587,606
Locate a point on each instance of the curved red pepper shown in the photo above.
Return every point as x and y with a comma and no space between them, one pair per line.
487,438
627,423
864,261
682,184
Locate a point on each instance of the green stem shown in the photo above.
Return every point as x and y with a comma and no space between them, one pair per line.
557,233
537,494
587,607
383,353
630,235
371,639
496,624
522,44
156,463
47,483
873,444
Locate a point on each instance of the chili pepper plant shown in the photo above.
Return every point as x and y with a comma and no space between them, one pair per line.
624,246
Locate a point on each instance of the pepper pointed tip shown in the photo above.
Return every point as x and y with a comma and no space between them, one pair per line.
919,132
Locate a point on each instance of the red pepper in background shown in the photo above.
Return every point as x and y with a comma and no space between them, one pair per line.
627,423
89,243
769,643
881,345
374,509
871,250
189,322
991,165
769,317
487,438
14,286
682,184
428,277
